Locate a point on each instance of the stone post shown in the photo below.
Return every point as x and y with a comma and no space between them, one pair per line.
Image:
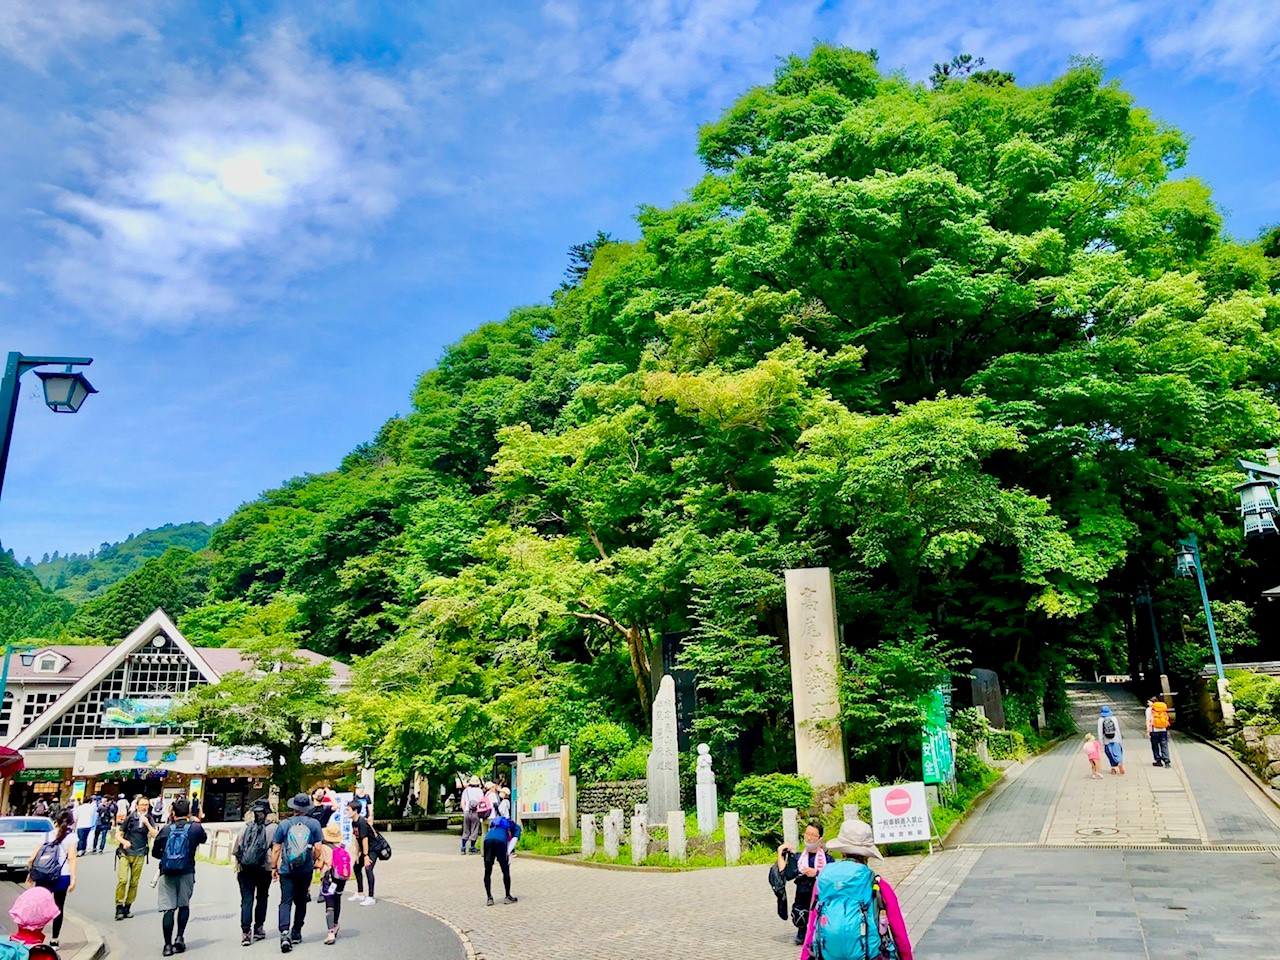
791,828
588,835
732,839
639,840
612,833
851,811
812,640
676,846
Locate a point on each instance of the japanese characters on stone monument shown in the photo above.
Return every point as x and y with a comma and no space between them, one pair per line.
705,791
664,759
811,626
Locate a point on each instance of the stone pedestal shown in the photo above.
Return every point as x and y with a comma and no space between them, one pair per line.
708,801
639,840
732,839
676,846
612,834
588,835
812,639
664,759
791,828
1226,702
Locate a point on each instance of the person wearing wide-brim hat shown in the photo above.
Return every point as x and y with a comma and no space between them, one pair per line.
852,876
331,884
295,867
471,798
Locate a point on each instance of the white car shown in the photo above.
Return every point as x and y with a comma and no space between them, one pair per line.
20,837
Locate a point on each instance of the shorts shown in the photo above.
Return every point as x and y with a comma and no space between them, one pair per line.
175,891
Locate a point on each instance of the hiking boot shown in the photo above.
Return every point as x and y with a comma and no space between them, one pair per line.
119,911
128,911
167,951
179,945
799,941
259,934
285,943
245,939
511,899
489,902
296,936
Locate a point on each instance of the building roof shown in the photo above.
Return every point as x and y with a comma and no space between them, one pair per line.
83,659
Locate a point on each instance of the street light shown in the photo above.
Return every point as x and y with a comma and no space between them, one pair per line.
1257,503
1187,565
64,392
1144,597
28,657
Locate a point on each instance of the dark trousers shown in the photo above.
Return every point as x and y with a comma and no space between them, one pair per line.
496,850
60,898
100,837
295,891
82,840
1160,746
255,886
333,904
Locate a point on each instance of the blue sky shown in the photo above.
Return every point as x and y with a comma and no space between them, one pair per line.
265,219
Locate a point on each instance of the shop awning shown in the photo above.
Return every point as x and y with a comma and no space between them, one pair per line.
11,762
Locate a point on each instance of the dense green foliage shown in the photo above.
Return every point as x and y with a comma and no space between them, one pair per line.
969,344
79,577
26,608
760,800
1257,698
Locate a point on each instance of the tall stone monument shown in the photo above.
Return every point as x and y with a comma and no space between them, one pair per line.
811,626
664,759
708,802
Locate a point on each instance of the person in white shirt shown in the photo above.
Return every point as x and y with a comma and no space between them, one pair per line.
471,797
86,819
122,808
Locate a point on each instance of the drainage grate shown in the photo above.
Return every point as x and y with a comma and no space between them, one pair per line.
1114,845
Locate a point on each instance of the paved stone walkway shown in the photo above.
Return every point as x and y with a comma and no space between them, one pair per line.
1083,888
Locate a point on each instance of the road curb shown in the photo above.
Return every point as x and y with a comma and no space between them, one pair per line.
94,946
463,937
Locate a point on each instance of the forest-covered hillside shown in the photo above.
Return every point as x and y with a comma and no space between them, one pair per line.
79,577
975,346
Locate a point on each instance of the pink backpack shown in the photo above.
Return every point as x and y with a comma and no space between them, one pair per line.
341,863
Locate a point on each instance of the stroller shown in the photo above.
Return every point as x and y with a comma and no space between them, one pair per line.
32,911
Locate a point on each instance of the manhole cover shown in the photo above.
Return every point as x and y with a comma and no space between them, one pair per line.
1097,832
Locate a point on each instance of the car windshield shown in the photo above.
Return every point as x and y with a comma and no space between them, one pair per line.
25,824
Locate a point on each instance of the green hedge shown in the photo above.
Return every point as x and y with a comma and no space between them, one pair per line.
1256,696
759,801
1007,745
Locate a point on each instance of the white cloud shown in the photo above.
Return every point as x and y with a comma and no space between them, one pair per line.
1227,39
228,186
34,32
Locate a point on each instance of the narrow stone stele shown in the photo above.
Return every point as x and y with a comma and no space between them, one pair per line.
664,760
588,835
612,834
812,635
791,827
639,840
677,849
732,839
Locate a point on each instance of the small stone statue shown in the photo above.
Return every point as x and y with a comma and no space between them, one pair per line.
705,792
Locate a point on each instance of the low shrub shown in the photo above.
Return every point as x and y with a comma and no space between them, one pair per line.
1007,745
632,764
1256,696
595,748
760,800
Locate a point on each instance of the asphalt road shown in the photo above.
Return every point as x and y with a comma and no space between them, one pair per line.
380,932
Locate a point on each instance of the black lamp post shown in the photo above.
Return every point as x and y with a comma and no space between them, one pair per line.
64,391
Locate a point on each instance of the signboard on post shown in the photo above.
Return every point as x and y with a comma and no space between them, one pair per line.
542,789
900,814
937,753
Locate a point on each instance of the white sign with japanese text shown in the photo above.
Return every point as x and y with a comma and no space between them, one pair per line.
900,814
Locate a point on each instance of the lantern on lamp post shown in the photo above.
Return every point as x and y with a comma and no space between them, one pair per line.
64,392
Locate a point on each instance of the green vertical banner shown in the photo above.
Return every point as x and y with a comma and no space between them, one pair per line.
935,748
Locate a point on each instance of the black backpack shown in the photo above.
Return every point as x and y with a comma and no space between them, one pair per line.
379,848
1108,727
46,868
253,846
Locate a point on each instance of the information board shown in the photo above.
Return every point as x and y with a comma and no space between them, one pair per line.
540,788
900,814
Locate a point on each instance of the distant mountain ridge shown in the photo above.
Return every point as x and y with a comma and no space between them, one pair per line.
79,577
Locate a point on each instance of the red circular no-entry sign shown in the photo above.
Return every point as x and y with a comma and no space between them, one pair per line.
897,802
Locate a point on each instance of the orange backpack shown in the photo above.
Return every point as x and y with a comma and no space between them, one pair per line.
1159,716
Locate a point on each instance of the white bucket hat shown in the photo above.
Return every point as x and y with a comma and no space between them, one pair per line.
854,839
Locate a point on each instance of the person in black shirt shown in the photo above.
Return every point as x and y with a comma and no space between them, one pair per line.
296,845
134,832
803,868
177,879
361,833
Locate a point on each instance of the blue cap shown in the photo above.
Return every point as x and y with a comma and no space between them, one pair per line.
1106,711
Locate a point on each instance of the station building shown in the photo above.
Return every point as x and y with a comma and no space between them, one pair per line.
90,718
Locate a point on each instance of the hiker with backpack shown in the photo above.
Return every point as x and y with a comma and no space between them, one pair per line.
335,868
175,849
854,914
134,832
251,862
102,829
472,800
502,831
295,850
1112,742
1158,731
803,867
53,866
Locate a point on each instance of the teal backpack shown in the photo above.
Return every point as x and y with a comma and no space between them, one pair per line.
847,925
